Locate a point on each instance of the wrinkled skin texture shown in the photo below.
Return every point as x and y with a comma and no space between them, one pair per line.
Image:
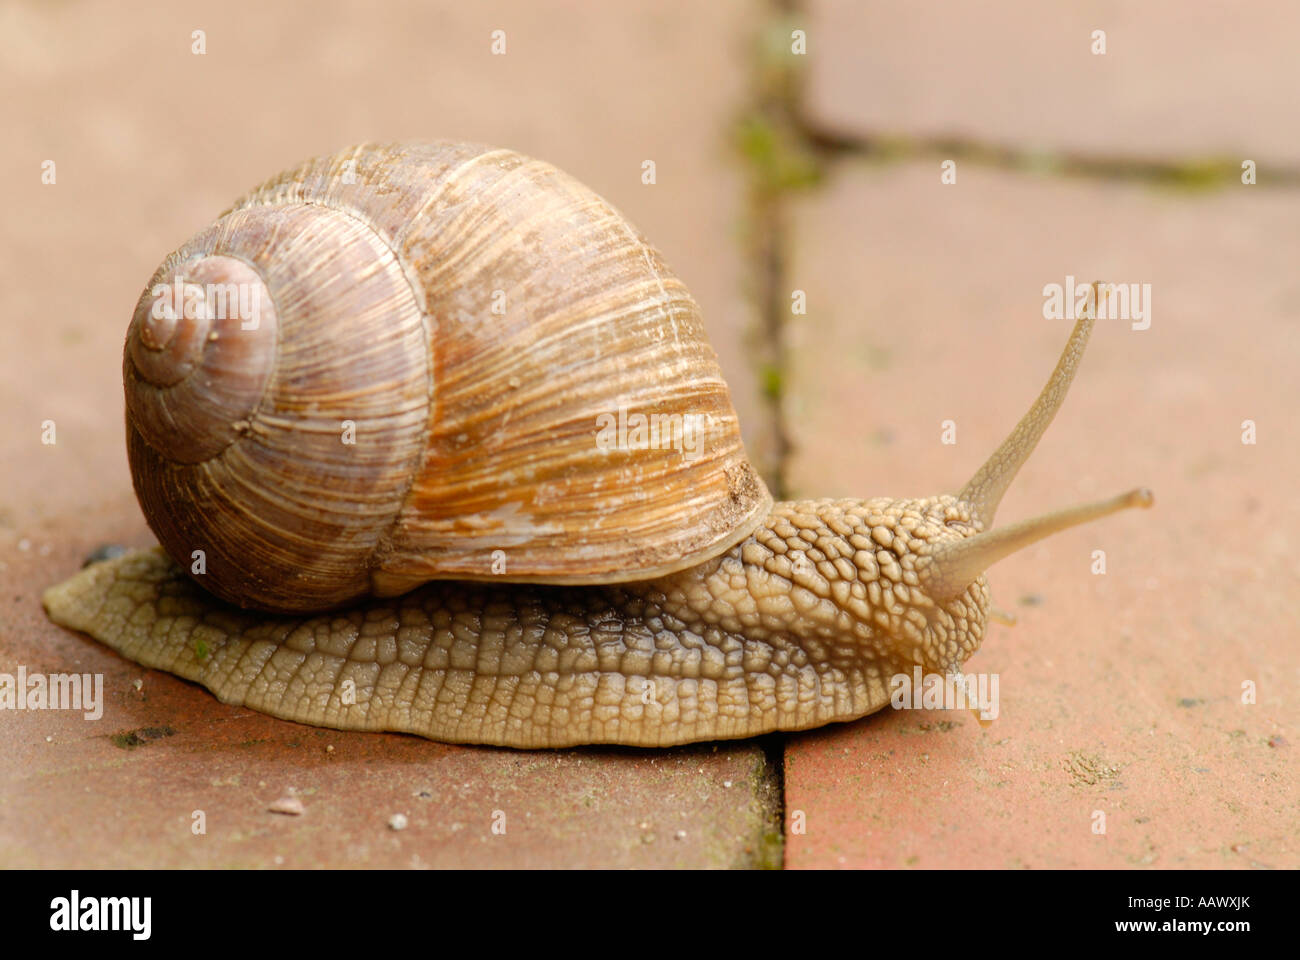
800,625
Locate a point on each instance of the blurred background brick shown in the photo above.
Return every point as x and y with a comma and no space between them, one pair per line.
1177,79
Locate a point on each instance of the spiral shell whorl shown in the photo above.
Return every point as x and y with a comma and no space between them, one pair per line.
281,446
197,362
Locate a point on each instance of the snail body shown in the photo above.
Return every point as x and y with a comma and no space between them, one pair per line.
470,563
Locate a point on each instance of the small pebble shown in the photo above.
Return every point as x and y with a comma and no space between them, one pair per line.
680,835
108,551
397,821
727,784
138,684
24,544
289,806
329,748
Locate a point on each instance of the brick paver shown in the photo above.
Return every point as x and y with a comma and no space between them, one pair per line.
1119,693
1187,80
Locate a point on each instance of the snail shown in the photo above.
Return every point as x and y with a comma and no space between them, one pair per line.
433,441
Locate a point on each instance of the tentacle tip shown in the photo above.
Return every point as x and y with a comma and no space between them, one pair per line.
1141,497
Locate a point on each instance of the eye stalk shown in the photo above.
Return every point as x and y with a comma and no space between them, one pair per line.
954,565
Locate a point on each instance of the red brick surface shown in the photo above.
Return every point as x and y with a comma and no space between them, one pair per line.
1177,81
1119,693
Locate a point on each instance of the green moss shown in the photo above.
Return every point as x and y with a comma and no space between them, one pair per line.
770,854
765,849
777,160
773,381
1041,163
1203,174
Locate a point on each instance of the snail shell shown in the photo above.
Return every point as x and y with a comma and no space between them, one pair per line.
468,314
